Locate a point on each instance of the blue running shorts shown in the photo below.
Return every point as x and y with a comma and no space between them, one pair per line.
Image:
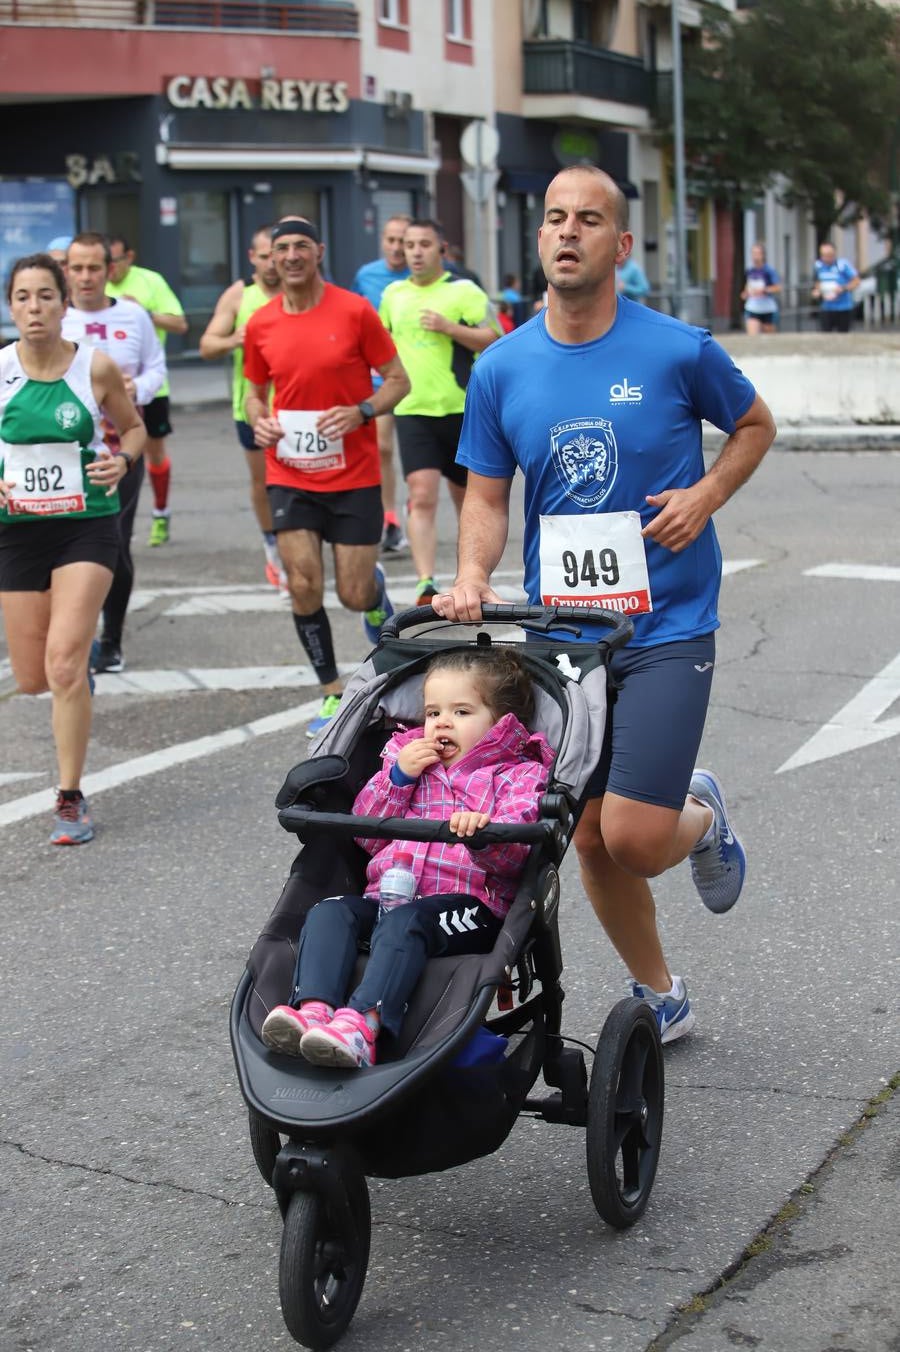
655,720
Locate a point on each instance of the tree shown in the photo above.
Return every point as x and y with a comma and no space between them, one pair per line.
830,69
803,92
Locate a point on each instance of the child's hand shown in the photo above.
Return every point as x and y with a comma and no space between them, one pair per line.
417,755
467,823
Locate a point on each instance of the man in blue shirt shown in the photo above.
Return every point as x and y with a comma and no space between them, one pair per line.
370,281
835,281
599,402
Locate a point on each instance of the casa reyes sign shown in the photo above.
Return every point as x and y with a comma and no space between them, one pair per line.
281,96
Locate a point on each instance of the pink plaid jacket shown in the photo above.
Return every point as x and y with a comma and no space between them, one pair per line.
503,775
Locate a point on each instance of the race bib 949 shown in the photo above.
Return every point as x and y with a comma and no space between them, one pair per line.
595,561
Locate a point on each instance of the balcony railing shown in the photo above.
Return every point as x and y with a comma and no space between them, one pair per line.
329,16
557,67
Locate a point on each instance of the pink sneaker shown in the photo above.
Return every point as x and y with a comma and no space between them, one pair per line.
346,1041
285,1026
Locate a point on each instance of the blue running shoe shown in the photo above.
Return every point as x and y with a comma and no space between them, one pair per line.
327,712
717,868
374,619
674,1016
72,824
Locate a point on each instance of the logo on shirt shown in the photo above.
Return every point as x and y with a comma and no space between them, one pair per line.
119,333
67,416
623,393
586,458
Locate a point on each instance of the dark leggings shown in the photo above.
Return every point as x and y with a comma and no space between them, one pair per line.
119,594
401,942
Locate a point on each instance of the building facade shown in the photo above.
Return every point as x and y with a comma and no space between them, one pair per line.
184,125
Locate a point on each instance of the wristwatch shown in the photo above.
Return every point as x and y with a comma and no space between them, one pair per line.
367,411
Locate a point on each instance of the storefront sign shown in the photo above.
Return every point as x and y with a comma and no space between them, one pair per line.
84,171
282,96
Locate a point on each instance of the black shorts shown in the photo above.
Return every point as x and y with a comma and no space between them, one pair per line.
352,518
156,417
835,321
655,721
430,443
29,551
245,436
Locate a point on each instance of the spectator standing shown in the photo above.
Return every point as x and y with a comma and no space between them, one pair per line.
440,322
835,280
311,351
631,281
225,334
151,290
761,289
124,332
370,281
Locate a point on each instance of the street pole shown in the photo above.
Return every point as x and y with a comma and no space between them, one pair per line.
479,198
678,106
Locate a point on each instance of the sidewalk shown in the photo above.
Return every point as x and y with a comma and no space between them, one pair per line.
823,1274
207,384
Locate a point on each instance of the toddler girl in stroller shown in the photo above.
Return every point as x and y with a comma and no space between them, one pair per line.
473,762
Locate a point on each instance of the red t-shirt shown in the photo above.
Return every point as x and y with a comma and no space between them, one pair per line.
314,360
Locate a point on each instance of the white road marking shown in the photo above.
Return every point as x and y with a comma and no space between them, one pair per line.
17,775
856,724
218,600
36,804
731,566
171,682
855,572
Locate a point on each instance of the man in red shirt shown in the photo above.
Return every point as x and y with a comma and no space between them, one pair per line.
313,349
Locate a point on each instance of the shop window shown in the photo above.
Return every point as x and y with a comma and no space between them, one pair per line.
112,213
299,203
205,269
458,31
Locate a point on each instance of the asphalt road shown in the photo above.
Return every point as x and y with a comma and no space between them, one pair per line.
133,1215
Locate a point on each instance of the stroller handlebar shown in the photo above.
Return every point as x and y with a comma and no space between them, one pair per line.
302,821
537,617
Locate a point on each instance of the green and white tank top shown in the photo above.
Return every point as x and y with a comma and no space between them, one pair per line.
253,299
50,431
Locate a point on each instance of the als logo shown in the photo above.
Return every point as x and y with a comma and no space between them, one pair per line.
67,416
586,458
623,393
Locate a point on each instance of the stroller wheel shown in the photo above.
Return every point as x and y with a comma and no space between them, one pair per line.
265,1144
324,1257
625,1113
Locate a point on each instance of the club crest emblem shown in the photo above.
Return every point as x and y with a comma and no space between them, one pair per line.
586,458
67,416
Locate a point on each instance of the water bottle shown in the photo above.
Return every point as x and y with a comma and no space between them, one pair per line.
398,884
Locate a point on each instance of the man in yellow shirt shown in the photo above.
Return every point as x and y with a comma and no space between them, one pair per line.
439,322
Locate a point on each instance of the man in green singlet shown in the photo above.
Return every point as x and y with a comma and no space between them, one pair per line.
225,334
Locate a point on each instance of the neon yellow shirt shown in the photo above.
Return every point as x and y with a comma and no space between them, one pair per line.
438,368
253,299
151,290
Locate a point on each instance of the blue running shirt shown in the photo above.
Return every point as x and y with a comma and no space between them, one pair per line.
635,398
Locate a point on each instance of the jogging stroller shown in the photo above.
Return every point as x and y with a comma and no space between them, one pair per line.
437,1102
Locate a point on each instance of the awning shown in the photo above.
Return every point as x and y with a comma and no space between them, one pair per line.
289,157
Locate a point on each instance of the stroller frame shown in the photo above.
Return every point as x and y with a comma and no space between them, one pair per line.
317,1133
